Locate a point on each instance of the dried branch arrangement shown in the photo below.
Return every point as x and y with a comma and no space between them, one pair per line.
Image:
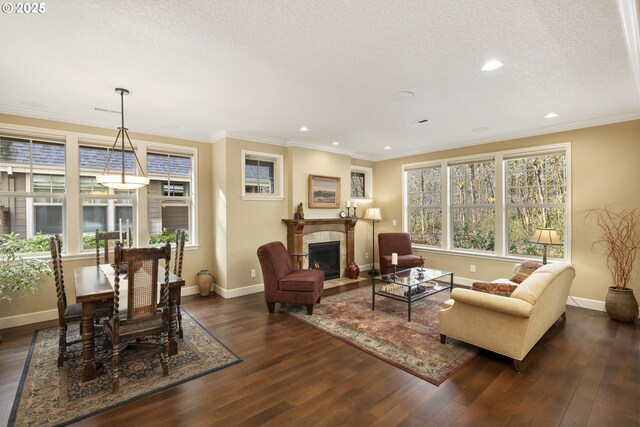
620,239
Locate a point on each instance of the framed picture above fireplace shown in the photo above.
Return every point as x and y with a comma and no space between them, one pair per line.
324,191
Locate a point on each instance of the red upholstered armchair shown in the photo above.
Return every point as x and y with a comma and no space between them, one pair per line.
399,243
284,284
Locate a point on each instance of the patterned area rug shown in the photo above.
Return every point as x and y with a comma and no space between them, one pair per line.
51,396
385,333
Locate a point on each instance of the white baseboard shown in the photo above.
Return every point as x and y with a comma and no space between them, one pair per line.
591,304
28,318
238,292
46,315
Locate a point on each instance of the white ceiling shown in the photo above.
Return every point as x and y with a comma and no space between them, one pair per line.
261,69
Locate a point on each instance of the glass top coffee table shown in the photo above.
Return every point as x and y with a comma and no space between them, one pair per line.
409,285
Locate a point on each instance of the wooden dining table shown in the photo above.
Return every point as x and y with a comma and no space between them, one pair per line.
93,288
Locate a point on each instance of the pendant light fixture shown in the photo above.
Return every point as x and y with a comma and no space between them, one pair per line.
122,180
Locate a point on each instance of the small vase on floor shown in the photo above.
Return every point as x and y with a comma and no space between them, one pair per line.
621,305
204,282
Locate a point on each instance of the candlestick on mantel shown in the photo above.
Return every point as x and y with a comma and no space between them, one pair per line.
120,228
355,204
348,203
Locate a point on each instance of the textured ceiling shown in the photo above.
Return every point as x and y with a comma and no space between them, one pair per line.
263,68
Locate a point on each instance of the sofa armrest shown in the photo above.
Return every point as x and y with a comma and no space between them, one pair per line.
512,306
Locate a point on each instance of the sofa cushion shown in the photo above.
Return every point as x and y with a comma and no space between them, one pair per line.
524,270
501,289
301,280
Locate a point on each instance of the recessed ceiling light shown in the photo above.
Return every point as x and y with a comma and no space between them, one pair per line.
551,116
492,65
387,148
304,129
417,122
336,143
402,95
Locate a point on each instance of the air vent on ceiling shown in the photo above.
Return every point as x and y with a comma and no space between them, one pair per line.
418,122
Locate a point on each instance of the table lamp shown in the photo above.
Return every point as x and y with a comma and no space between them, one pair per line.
545,237
373,214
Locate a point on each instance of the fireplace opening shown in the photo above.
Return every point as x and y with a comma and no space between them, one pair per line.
325,257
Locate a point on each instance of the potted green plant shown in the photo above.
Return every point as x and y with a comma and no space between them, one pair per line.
18,273
620,240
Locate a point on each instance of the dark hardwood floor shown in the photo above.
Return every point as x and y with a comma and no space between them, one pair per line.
585,371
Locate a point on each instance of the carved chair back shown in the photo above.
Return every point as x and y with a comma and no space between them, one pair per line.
55,246
142,278
108,239
180,238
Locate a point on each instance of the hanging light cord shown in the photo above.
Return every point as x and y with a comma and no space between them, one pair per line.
122,131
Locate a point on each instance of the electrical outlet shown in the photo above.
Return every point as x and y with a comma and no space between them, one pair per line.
366,256
472,268
394,222
253,272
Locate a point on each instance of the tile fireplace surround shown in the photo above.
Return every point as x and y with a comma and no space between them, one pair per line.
302,232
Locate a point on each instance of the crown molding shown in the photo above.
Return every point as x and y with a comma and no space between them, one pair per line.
629,15
515,135
84,121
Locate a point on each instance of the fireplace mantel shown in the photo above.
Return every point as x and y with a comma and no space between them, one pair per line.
297,228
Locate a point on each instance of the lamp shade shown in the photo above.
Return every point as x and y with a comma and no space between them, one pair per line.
373,214
117,181
545,236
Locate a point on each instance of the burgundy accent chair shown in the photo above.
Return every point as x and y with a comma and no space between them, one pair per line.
283,283
399,243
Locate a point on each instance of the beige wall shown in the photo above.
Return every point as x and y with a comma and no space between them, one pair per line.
605,170
194,260
250,223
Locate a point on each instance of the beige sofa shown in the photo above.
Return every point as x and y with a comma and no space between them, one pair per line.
509,325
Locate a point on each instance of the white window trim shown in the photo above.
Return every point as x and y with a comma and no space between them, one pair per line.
278,175
368,183
72,141
500,207
191,199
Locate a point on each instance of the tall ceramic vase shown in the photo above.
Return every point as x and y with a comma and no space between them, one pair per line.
204,281
621,305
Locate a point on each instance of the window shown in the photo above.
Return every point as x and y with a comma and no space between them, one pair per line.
535,197
424,190
31,190
170,196
262,176
472,192
492,205
361,182
103,208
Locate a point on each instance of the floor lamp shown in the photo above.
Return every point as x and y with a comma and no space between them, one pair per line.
373,214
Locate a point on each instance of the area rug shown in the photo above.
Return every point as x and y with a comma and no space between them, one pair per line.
51,396
385,333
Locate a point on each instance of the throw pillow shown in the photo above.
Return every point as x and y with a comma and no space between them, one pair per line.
501,289
524,270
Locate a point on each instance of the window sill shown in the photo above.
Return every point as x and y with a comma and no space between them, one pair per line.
485,256
271,198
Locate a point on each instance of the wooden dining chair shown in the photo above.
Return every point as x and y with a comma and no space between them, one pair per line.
143,317
67,313
104,238
177,270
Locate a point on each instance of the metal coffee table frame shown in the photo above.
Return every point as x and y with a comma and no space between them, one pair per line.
407,280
